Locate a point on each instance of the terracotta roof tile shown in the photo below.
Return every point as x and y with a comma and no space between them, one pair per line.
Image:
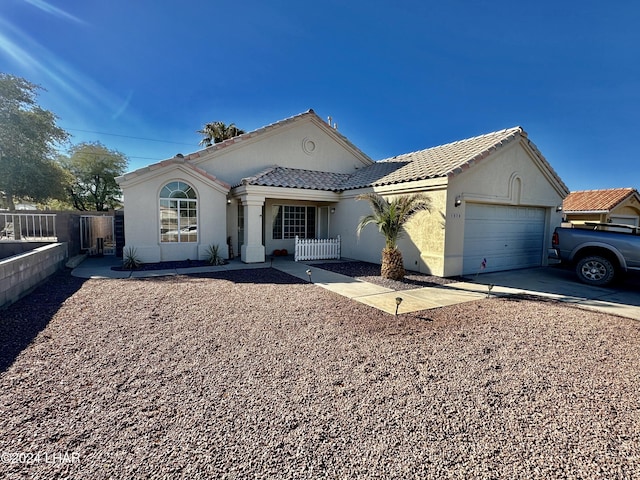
596,200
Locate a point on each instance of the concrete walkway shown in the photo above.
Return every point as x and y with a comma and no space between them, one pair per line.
100,268
547,282
382,298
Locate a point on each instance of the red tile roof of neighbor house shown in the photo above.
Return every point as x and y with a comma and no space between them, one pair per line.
596,200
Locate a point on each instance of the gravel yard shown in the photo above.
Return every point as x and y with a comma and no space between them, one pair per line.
256,374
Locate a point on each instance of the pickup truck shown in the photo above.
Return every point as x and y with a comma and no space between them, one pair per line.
599,252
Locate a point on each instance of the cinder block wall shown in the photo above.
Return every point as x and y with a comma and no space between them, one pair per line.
9,248
20,274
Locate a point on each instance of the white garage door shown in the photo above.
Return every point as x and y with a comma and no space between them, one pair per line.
507,237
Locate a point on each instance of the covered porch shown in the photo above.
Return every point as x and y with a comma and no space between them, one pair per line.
267,220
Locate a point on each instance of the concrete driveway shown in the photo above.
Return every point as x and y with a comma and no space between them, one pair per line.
561,284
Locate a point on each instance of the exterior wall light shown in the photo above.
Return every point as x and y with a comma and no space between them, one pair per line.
559,208
333,209
458,201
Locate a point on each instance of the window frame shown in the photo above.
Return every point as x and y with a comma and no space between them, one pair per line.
183,198
293,220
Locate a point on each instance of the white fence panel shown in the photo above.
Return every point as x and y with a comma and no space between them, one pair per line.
28,227
317,248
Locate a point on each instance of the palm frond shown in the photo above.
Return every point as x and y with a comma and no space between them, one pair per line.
391,216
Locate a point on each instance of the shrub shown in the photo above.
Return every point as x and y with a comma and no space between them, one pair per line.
130,260
213,255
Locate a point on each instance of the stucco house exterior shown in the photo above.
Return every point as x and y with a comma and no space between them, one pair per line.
495,197
613,205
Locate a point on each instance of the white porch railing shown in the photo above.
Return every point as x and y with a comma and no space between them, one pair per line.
28,227
317,249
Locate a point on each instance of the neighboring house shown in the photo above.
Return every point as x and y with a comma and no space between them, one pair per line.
495,197
614,205
26,206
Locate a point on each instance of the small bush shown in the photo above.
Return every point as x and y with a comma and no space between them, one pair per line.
213,255
130,260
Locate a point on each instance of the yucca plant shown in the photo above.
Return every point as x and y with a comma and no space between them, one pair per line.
213,255
391,217
130,259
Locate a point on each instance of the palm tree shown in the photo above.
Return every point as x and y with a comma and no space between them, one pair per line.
218,132
391,217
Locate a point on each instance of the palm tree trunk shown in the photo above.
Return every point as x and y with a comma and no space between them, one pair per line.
392,265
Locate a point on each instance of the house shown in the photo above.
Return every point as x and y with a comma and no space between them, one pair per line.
494,196
614,205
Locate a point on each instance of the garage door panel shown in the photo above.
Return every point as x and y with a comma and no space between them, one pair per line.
507,237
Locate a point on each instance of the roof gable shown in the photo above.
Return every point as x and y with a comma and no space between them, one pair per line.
310,114
197,159
597,200
144,173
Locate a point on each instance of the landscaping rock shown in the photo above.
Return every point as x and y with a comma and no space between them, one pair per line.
256,374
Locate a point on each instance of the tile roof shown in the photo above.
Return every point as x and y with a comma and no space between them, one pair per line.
442,161
298,178
596,200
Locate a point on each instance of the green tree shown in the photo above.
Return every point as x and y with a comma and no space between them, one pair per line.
218,132
94,169
391,217
28,140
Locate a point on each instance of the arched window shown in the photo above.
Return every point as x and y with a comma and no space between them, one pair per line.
178,213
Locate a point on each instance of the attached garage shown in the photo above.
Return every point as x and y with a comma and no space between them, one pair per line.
494,197
508,237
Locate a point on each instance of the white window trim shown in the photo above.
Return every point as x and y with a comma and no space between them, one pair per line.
179,200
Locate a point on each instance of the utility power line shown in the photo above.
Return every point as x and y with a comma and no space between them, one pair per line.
131,137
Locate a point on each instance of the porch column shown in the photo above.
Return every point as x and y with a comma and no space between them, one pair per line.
252,249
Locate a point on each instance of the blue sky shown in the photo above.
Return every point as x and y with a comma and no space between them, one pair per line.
142,76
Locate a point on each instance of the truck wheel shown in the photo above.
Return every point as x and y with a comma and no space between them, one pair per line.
595,270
